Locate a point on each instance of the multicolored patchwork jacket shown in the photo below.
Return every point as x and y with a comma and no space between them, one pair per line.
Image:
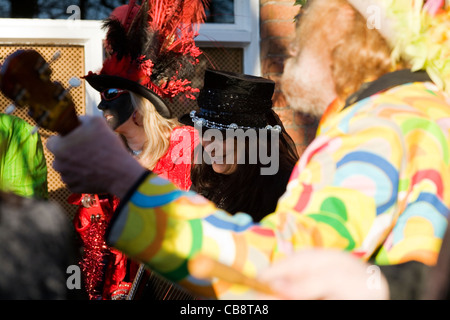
375,182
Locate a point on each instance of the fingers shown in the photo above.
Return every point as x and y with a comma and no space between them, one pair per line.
321,274
57,144
93,159
52,143
74,153
283,269
291,277
92,134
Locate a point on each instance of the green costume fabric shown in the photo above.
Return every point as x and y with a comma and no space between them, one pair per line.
23,169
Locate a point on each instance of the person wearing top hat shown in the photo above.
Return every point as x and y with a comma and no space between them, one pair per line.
150,56
235,112
374,182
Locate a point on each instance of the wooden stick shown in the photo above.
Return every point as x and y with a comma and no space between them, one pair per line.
203,267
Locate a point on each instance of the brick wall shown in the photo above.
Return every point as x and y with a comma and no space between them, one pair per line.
277,31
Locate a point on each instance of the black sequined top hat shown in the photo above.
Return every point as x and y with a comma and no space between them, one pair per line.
234,101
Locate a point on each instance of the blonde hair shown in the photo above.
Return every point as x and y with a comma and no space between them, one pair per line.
157,129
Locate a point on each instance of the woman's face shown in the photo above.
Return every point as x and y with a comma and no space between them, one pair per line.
222,153
116,107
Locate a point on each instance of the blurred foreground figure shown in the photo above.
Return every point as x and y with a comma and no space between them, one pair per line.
325,274
36,251
375,181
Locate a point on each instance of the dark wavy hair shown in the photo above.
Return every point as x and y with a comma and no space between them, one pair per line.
246,189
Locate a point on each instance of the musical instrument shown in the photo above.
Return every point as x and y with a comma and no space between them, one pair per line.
25,79
199,266
148,285
203,267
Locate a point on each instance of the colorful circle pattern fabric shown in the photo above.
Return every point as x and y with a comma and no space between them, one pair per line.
376,182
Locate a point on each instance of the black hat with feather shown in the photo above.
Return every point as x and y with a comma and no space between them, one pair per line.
151,50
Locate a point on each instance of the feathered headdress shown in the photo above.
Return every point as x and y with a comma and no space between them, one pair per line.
151,49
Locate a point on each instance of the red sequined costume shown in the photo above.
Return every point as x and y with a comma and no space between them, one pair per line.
104,268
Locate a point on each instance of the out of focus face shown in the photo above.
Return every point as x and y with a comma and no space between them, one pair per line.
222,153
306,84
116,107
307,81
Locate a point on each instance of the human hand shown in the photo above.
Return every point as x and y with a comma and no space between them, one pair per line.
321,274
93,159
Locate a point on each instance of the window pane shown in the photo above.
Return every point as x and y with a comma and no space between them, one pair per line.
220,11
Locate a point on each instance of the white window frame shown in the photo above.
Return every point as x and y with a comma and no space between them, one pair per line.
63,32
243,33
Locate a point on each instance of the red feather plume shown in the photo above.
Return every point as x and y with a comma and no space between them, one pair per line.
153,44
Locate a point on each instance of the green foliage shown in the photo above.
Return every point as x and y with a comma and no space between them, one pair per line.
300,2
